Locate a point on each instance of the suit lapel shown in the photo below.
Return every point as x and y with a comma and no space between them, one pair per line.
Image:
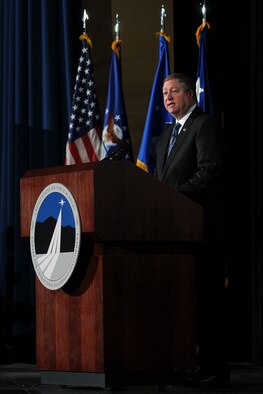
179,142
164,145
165,164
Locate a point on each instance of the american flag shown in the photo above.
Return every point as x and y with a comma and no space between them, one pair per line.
84,135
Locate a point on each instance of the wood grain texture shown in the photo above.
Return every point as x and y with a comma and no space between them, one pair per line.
69,326
118,202
131,313
129,305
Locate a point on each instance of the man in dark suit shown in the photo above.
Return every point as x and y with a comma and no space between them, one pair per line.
190,159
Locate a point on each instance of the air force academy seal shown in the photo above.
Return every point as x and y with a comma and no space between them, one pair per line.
55,236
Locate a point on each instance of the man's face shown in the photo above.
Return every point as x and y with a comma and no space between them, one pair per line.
177,100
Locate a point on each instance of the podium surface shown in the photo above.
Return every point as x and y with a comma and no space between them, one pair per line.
129,311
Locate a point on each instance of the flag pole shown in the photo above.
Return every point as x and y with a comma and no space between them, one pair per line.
116,141
84,135
117,28
84,35
204,23
117,42
203,10
203,91
84,19
163,16
157,116
162,25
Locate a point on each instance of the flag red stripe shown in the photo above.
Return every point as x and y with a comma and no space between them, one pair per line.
75,153
89,148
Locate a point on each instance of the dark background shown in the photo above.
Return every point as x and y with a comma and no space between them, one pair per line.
39,51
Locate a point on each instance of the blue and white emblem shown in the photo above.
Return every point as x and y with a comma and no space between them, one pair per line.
55,236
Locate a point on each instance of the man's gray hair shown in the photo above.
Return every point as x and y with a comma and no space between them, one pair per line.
187,82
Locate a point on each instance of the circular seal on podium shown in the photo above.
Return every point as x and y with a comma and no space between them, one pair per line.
55,234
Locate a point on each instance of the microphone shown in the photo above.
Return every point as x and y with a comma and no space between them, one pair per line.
118,154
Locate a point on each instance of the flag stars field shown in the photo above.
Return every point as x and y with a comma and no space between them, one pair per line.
84,138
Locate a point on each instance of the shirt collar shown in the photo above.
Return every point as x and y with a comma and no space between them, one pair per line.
186,116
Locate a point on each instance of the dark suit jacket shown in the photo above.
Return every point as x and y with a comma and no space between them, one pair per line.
195,165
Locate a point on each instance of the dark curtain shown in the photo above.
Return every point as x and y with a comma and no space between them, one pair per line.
38,50
236,75
256,127
242,102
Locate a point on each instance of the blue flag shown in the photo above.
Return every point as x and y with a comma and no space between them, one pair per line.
157,115
203,90
116,142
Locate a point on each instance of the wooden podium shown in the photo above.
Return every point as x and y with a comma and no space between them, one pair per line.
129,315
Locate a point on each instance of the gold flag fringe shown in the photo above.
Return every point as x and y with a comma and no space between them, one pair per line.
198,31
84,36
142,165
159,33
115,47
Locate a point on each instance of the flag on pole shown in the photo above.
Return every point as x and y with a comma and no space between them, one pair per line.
116,142
203,90
84,135
157,116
